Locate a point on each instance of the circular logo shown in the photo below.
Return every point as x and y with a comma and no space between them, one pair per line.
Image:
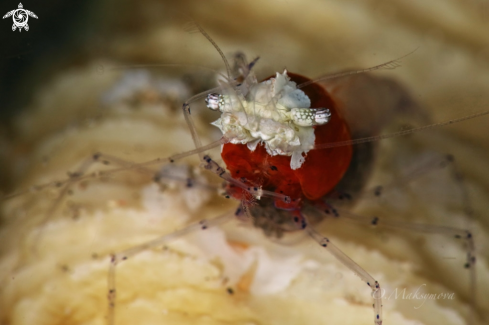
20,17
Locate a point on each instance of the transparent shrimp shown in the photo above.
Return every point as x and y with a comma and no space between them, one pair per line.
236,276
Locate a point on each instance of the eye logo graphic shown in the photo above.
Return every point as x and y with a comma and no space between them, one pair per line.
20,17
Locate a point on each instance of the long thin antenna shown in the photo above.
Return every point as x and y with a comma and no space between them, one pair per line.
218,49
160,65
389,65
398,134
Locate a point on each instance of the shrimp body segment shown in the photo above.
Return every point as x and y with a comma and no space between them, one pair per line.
272,132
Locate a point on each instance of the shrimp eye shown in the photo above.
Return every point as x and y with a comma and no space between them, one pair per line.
214,101
322,116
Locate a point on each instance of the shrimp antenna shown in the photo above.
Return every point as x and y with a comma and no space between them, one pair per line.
389,65
160,65
399,133
164,66
194,26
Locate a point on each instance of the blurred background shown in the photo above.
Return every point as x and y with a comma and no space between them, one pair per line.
59,39
53,79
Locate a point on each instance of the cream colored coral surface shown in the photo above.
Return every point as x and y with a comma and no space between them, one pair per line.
54,262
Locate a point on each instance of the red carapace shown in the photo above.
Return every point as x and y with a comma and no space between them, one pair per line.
321,171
